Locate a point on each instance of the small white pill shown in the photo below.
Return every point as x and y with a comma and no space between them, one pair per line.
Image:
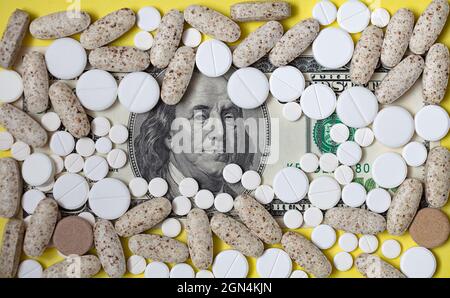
299,274
348,242
100,126
188,187
357,107
136,264
117,158
328,162
88,216
85,147
223,202
292,111
274,263
323,236
118,134
290,185
74,163
204,274
415,154
138,92
157,270
138,187
344,175
30,269
62,143
11,86
343,261
324,192
380,17
31,199
97,90
418,262
148,18
58,162
287,83
46,187
213,58
378,200
248,88
389,170
339,133
313,217
232,173
158,187
66,59
368,243
51,121
143,41
191,37
20,151
391,249
6,140
96,168
393,127
349,153
432,123
109,198
264,194
181,205
71,191
324,12
37,169
353,16
230,264
171,227
318,101
364,137
103,145
182,270
251,180
309,163
293,219
333,48
204,199
354,195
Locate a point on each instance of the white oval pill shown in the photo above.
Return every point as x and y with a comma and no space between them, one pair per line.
251,180
378,200
389,170
74,163
118,134
368,243
415,154
339,133
31,199
230,264
204,274
344,175
171,227
97,90
328,162
191,37
213,58
354,194
391,249
393,127
117,158
66,59
274,263
248,88
30,269
418,262
11,86
333,48
20,151
293,219
309,163
71,191
432,123
37,169
85,147
62,143
100,126
109,198
181,205
292,111
143,40
136,264
148,18
188,187
232,173
103,145
299,274
290,185
287,83
51,121
380,17
204,199
138,187
349,153
138,92
348,242
357,107
325,12
182,270
364,137
96,168
223,202
353,16
313,217
264,194
158,187
318,101
323,236
157,270
6,140
343,261
324,192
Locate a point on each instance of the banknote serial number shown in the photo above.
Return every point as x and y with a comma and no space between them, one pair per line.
259,288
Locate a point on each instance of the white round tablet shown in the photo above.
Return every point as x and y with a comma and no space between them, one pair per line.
204,274
353,16
138,92
389,170
182,270
103,145
88,216
37,169
251,180
11,86
66,59
62,143
364,137
328,162
97,90
223,202
299,274
313,217
181,205
51,121
349,153
138,187
274,263
380,17
248,88
357,107
46,187
157,270
143,40
100,126
378,200
264,194
333,48
293,219
109,198
213,58
393,127
71,191
368,243
348,242
343,261
171,227
292,111
432,123
31,199
188,187
339,133
344,175
118,134
418,262
74,163
354,194
191,37
287,83
85,147
30,269
232,173
20,151
309,163
148,18
96,168
324,12
230,264
136,264
204,199
324,192
318,101
117,158
158,187
323,236
58,163
415,154
290,185
6,140
391,249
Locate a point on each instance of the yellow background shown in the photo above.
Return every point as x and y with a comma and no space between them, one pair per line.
301,9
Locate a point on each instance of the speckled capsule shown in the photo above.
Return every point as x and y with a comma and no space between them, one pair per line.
11,187
258,219
429,26
306,254
60,24
396,39
436,74
400,79
12,38
294,42
200,241
74,267
11,248
108,28
167,38
260,11
119,59
40,229
372,266
35,82
236,235
257,44
109,248
159,248
143,217
22,126
366,56
69,109
355,220
437,177
212,23
178,76
404,206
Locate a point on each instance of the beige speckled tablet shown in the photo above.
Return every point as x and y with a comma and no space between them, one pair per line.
40,229
404,206
396,39
429,26
119,59
260,11
258,219
10,187
35,82
60,24
236,235
436,74
143,217
108,28
257,44
212,23
109,248
13,36
74,267
159,248
355,220
178,76
306,254
200,240
294,42
437,177
22,126
372,266
366,55
167,38
69,109
400,79
11,248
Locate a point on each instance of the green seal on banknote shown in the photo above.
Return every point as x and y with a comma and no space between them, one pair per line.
321,134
